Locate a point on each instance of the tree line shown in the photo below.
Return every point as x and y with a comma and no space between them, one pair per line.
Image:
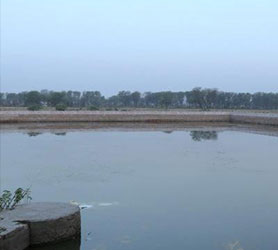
196,98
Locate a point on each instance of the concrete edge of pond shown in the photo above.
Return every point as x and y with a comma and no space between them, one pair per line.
138,116
39,224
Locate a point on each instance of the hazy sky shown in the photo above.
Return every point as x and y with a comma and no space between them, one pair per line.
145,45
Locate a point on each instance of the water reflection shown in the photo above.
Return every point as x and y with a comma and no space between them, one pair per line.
32,134
234,246
68,245
203,135
168,131
60,133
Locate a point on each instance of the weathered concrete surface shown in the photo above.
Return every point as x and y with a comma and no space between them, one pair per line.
38,224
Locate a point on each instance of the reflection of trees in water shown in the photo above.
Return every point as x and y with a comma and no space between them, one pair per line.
203,135
168,131
33,133
60,133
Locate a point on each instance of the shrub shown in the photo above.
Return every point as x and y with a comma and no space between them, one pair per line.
9,200
34,107
93,108
61,107
111,109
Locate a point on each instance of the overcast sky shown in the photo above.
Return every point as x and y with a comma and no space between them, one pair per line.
145,45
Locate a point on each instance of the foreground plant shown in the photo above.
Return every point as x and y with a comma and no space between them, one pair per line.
9,200
2,229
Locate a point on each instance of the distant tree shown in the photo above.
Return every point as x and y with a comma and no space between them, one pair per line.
165,99
125,98
12,99
75,98
135,97
210,98
150,99
113,101
2,99
196,98
56,98
33,98
179,99
203,98
92,98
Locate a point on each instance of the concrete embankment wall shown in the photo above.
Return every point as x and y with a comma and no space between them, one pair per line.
137,116
260,119
107,116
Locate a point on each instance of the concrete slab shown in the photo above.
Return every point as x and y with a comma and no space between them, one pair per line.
39,224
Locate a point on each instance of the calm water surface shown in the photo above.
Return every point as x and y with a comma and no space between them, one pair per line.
154,190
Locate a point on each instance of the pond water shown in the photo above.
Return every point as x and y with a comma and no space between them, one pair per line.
153,190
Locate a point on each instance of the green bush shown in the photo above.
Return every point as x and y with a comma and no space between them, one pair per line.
61,107
112,109
34,107
93,108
